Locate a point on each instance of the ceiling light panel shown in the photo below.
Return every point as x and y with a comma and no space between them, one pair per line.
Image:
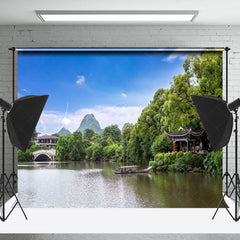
117,16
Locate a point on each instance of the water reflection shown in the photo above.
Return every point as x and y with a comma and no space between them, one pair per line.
93,185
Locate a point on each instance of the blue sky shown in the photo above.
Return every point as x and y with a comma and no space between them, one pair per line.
114,86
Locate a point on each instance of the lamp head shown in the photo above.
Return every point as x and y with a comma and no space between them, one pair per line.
216,119
233,106
23,118
5,105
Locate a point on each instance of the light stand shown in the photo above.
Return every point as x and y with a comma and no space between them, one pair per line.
22,118
13,175
234,180
226,174
4,180
217,119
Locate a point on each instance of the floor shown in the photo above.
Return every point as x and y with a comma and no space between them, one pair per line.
111,221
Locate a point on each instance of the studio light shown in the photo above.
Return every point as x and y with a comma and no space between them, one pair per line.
22,118
117,16
217,120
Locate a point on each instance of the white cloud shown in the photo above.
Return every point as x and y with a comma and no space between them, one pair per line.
174,56
66,121
80,80
52,121
123,94
22,92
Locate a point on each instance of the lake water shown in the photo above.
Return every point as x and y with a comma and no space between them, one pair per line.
94,185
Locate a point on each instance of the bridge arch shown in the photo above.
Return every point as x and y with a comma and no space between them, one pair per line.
42,157
42,154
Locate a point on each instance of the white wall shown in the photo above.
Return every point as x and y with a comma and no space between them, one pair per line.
120,36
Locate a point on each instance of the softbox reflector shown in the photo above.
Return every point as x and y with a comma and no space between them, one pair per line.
216,118
23,118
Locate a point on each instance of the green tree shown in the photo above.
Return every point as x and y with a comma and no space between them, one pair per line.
76,146
109,152
62,149
89,152
213,163
162,144
96,138
71,147
112,132
208,72
125,139
178,108
112,151
97,151
118,151
88,134
134,152
25,156
146,129
203,76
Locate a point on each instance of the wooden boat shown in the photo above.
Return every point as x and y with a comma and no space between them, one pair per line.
131,170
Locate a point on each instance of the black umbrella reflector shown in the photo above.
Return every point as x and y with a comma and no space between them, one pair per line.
216,118
23,118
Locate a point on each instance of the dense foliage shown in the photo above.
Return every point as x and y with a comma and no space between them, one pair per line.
194,162
161,144
25,156
71,147
111,135
213,163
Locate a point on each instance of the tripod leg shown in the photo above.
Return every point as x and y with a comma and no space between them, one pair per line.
17,201
6,188
8,182
219,205
226,191
231,182
11,210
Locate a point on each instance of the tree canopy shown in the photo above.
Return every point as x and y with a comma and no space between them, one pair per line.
71,147
173,108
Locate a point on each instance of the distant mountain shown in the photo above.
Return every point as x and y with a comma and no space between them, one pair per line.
64,132
90,122
125,124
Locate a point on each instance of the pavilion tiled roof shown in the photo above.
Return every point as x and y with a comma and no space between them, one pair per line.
189,131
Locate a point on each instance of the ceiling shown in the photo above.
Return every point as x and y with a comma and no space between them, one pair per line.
211,12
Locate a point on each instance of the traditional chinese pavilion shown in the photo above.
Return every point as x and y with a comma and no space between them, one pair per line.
188,136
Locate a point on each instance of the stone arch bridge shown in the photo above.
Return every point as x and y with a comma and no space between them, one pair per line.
43,153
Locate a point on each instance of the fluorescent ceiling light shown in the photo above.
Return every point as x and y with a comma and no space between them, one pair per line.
117,16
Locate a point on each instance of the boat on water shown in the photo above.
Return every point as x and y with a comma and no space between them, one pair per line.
131,170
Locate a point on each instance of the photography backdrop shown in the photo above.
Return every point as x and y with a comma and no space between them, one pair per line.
115,85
